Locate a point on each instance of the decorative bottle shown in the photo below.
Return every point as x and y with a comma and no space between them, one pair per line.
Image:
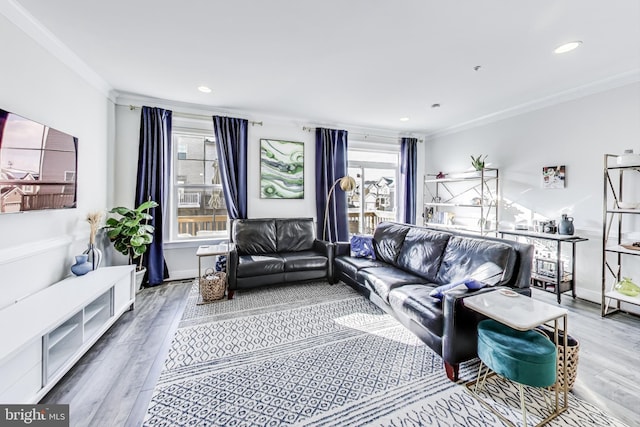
627,287
565,226
94,256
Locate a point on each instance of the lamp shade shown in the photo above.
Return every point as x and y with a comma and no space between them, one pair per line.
347,183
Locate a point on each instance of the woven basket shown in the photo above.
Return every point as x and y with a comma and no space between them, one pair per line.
573,346
213,285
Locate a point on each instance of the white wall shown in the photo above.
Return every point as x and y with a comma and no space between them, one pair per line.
576,134
180,257
37,248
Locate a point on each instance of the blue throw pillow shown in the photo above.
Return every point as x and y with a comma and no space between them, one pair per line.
465,284
362,247
473,284
221,263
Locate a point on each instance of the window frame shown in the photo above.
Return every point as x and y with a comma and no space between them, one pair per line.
393,149
172,225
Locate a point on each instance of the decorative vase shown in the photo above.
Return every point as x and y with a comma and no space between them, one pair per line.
95,256
565,226
627,287
82,266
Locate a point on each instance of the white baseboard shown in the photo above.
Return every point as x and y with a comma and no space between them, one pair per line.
183,274
589,295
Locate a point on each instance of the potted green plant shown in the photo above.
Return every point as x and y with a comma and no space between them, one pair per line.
478,162
131,233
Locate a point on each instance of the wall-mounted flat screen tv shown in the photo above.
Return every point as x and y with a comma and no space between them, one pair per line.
38,166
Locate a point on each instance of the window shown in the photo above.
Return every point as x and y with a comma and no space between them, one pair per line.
198,210
374,199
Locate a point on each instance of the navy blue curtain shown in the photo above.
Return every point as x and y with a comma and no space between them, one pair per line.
331,165
231,145
154,165
408,177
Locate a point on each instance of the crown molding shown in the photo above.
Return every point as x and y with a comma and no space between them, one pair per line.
370,134
592,88
22,19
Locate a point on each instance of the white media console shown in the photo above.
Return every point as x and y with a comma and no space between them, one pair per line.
43,335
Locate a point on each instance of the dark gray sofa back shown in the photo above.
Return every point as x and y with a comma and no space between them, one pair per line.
269,235
387,241
487,261
422,252
254,236
295,234
417,249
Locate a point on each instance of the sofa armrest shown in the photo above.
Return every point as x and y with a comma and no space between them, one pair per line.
343,248
460,334
232,268
327,249
324,247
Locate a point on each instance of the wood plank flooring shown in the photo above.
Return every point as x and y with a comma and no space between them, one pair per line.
112,384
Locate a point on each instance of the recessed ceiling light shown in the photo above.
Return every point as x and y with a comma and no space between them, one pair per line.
567,47
204,89
404,119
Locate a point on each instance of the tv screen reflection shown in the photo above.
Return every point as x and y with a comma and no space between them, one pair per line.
38,166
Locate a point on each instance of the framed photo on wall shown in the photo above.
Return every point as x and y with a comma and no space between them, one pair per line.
281,169
553,176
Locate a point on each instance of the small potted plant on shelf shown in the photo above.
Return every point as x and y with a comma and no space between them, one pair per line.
478,162
131,233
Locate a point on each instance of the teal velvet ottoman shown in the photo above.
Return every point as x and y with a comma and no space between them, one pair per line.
524,357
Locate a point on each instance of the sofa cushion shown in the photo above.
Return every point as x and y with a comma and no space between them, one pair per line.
387,241
254,236
382,280
296,234
350,265
414,302
487,261
259,265
304,260
422,252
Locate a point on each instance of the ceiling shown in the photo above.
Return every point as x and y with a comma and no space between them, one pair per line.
364,63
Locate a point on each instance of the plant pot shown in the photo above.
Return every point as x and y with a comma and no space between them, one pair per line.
139,278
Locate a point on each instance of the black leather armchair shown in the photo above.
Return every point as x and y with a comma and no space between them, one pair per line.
270,251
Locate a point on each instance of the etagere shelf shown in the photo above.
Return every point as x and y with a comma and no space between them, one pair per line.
465,201
618,255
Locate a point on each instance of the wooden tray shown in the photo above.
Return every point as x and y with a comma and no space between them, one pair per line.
631,247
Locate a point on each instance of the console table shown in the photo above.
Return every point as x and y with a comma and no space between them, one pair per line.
549,272
46,333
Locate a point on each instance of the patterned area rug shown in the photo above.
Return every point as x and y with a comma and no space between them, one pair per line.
320,355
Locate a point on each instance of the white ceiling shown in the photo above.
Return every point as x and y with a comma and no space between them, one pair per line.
364,63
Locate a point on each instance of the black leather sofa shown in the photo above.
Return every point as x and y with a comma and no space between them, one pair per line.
276,250
411,261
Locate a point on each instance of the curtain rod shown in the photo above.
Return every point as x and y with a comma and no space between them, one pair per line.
366,135
188,115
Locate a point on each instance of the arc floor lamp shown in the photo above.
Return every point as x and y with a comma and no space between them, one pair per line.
347,183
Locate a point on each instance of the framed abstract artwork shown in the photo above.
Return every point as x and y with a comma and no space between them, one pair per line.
553,176
281,169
